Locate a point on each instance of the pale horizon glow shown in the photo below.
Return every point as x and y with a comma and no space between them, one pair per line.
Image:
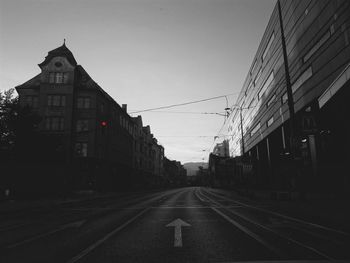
145,53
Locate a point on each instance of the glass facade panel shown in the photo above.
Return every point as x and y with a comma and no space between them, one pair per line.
255,129
268,46
318,44
284,98
266,85
302,79
269,122
271,100
258,75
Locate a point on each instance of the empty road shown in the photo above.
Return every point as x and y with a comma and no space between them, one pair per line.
192,224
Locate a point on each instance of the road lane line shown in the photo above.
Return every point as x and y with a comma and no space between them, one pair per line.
109,235
63,227
196,194
283,216
276,233
248,232
244,229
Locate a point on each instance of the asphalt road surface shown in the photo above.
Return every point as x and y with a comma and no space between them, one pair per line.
190,224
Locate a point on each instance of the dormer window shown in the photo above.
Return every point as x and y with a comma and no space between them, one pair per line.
58,77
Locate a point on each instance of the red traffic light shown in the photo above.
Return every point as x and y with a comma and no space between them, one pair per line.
103,123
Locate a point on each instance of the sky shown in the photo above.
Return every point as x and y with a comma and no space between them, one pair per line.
146,54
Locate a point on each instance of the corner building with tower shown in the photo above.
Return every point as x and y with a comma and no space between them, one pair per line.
310,150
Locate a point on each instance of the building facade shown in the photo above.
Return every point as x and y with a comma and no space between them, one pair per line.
316,37
100,144
222,149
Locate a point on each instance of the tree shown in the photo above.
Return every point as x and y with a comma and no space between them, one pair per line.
18,127
26,153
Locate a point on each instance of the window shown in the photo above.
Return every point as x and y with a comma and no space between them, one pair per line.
269,122
81,149
82,125
318,44
54,123
56,100
271,100
58,77
52,77
266,85
302,78
258,75
254,65
102,108
83,103
32,101
255,129
65,77
251,104
248,87
284,98
268,46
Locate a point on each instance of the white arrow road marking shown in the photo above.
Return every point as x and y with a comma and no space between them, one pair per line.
69,225
178,223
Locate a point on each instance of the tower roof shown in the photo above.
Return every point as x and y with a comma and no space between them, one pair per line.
61,51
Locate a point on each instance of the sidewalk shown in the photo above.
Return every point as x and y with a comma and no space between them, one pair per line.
332,211
13,206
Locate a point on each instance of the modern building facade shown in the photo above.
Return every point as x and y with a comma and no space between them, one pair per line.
101,145
316,71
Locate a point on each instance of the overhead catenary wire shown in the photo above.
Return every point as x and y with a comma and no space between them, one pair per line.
188,112
183,104
192,136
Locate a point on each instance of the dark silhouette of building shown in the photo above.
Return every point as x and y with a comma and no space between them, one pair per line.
175,173
99,143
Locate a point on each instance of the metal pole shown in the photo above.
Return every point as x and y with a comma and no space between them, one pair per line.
288,84
240,110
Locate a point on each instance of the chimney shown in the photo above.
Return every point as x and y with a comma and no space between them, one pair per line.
124,107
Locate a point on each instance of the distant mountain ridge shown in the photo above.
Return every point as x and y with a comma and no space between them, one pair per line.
192,167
